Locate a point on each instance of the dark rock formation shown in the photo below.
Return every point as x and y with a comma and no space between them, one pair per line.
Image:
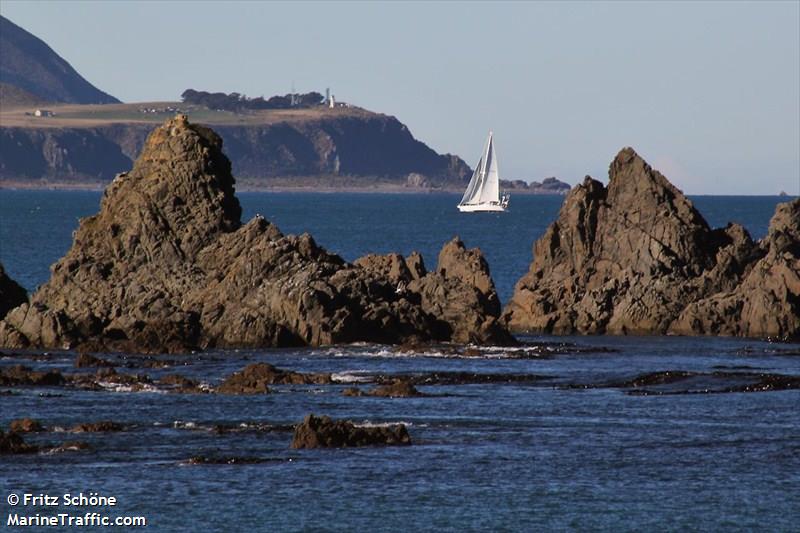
25,425
179,383
28,63
13,444
630,258
254,378
85,360
11,293
322,432
22,375
400,388
166,265
767,301
460,293
97,427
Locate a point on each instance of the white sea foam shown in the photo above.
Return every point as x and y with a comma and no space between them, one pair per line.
370,424
137,387
351,376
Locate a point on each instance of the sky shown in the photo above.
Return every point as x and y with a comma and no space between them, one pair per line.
706,92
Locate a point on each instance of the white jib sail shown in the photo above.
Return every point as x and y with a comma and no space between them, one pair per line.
474,187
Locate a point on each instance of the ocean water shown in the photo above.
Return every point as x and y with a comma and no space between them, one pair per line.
531,454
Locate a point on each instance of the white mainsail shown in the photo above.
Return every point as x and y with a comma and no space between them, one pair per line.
483,190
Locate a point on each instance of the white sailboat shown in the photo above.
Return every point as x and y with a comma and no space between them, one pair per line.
483,191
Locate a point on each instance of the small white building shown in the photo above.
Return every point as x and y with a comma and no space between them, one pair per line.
43,113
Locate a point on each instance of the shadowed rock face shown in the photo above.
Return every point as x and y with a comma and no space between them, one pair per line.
167,266
11,293
629,258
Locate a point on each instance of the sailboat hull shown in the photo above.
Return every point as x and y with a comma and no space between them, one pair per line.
481,208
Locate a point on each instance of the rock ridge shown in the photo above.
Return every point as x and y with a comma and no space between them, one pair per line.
636,257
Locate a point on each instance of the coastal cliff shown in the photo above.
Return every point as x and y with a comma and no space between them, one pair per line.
168,265
359,146
636,257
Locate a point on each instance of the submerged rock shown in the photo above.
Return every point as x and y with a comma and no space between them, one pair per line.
12,444
322,432
633,258
97,427
254,378
11,293
23,375
25,425
401,388
167,266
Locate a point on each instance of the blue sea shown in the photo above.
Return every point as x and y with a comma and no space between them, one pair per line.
539,453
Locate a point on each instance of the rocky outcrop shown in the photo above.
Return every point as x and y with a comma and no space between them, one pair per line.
322,432
767,301
11,293
167,266
633,258
460,293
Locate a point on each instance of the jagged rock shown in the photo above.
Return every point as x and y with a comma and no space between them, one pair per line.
394,267
11,293
13,444
254,378
25,425
629,258
462,296
767,301
322,432
167,266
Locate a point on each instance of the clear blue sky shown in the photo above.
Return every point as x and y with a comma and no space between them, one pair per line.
709,93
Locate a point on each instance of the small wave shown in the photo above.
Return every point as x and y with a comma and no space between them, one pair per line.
370,424
351,376
136,387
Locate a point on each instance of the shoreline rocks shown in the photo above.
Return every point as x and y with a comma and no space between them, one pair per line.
636,257
167,266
